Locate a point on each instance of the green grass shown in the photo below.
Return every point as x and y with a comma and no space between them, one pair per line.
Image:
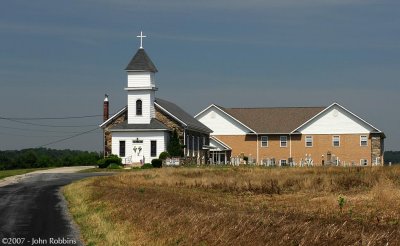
8,173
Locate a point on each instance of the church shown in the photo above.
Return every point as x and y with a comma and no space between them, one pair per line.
277,136
140,131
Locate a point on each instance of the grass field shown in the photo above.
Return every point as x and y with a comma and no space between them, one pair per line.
8,173
240,206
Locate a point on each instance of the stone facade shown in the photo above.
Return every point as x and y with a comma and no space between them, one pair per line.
377,149
170,123
107,133
194,153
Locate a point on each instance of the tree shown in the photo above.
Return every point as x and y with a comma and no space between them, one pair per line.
29,159
174,148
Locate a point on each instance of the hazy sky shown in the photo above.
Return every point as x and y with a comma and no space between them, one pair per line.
58,58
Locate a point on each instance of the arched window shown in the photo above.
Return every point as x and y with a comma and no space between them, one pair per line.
139,107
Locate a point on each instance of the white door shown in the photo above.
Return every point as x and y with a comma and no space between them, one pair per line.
137,152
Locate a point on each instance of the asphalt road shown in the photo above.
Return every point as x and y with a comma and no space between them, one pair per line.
33,211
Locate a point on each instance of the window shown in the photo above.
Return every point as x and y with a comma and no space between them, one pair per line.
283,141
195,142
264,141
283,162
336,141
139,107
363,162
309,141
363,140
153,148
121,148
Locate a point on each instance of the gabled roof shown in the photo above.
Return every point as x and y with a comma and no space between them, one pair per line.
154,125
169,108
224,145
335,104
273,120
180,115
120,112
141,62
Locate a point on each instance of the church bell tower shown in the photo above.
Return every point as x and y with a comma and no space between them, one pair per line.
141,87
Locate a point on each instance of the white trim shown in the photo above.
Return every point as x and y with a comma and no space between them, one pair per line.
203,110
280,142
153,140
305,141
114,116
261,140
340,106
119,148
173,116
257,149
280,162
333,141
220,142
215,106
363,162
138,130
361,136
153,88
141,107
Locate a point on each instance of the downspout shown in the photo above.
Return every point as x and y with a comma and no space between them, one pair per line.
257,149
290,145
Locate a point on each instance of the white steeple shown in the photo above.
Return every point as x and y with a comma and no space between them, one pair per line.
141,87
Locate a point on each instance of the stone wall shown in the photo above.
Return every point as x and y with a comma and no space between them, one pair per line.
171,123
191,154
377,148
107,133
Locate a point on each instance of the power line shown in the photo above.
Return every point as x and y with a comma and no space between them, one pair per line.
34,124
36,130
27,136
73,136
52,118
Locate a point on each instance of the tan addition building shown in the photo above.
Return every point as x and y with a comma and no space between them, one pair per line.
295,136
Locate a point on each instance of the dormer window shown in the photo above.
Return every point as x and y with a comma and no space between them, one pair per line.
139,107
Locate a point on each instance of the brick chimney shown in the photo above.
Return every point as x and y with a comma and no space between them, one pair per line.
106,106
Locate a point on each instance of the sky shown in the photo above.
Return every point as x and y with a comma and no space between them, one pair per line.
59,58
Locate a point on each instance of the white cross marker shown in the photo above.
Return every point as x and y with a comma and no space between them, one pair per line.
141,39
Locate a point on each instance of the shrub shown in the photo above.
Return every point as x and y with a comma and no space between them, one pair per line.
341,202
103,163
174,147
146,166
157,163
114,166
163,156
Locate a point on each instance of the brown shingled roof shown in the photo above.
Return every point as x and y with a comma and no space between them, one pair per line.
273,120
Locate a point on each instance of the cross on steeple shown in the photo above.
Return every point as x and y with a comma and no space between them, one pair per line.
141,39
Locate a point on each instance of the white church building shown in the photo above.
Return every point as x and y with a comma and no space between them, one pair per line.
140,131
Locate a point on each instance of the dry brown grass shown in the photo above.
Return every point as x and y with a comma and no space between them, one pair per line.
240,206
